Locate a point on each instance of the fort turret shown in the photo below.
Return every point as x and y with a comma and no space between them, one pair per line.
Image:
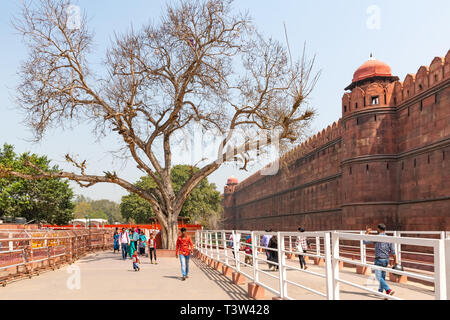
228,203
369,140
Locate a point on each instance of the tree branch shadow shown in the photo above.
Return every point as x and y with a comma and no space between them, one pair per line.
234,291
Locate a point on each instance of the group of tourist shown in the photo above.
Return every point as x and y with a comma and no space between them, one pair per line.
270,244
133,243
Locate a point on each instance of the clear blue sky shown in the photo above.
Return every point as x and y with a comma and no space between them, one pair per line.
410,34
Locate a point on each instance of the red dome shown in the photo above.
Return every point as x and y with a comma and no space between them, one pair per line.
232,180
372,68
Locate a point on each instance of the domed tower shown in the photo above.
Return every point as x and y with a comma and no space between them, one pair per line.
228,203
369,146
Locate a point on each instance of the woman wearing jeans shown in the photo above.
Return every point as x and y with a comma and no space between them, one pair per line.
184,248
302,246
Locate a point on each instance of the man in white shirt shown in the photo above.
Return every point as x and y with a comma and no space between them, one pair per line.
124,240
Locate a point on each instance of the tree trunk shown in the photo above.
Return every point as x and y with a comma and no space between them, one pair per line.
169,235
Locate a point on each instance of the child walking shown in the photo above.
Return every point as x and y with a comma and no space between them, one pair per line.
136,261
152,248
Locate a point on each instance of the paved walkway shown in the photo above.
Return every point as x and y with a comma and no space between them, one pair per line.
106,276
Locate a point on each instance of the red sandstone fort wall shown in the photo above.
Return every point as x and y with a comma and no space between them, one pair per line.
308,184
379,163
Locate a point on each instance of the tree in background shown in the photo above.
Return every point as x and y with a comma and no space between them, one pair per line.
97,209
47,200
200,63
202,206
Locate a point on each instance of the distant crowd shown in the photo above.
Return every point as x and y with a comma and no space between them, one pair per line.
133,243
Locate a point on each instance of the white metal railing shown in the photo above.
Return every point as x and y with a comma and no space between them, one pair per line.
439,278
226,246
365,252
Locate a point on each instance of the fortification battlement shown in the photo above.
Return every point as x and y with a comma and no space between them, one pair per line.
321,138
377,94
389,93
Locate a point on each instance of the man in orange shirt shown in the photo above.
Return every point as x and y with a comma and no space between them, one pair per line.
184,249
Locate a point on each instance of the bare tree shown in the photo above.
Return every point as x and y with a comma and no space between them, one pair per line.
201,62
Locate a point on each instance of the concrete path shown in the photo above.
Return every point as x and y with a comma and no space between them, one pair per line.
106,276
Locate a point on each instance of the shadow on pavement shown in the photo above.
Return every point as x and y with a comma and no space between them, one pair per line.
235,292
173,277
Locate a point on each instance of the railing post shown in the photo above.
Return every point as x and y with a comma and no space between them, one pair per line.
10,243
224,242
328,265
362,250
237,245
202,241
398,247
447,265
281,264
205,242
318,246
196,239
290,244
217,246
254,260
210,245
335,252
440,282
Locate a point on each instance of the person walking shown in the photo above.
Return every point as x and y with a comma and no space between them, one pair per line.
142,243
184,248
116,238
130,246
152,248
301,246
232,240
248,251
265,243
382,252
273,244
135,238
124,240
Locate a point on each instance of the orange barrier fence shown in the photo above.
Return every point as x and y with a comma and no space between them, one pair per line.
190,229
27,252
